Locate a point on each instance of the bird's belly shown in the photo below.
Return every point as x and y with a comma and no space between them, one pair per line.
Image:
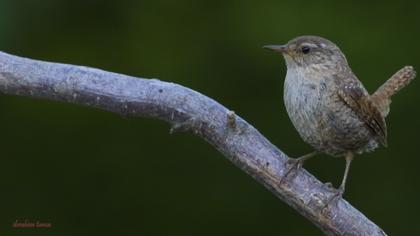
324,121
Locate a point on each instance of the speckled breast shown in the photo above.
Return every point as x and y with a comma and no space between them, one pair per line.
321,117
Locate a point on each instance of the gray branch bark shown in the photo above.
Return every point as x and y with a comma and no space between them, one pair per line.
186,109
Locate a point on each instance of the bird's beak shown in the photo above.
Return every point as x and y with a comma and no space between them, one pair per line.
276,48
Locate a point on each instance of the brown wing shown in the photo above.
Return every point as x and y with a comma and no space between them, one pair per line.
352,92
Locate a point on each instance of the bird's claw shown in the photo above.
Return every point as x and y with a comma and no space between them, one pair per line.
295,164
338,194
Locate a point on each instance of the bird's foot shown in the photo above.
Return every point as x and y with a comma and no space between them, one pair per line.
296,164
338,194
292,164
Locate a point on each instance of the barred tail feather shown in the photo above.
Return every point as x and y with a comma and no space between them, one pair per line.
382,96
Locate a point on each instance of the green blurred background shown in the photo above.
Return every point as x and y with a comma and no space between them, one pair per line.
90,172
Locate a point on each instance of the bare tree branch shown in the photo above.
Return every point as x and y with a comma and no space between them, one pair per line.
186,109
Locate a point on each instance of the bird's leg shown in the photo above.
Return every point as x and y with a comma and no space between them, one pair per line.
349,158
340,190
297,163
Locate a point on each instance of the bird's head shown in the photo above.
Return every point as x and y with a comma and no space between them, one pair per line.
310,51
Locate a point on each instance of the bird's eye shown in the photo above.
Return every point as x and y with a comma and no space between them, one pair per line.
306,49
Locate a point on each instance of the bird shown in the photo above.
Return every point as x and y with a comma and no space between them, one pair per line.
328,105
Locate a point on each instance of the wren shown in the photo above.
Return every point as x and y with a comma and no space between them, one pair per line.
329,106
